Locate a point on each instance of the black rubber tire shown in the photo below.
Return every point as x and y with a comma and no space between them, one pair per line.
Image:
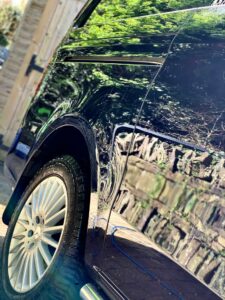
66,275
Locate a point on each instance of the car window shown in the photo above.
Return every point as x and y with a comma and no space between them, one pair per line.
108,10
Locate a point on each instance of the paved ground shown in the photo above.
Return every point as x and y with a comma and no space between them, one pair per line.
4,196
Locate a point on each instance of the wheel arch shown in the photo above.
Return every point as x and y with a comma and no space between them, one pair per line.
71,137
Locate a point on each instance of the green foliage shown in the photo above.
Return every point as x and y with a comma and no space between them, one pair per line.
222,252
104,23
121,9
44,112
3,40
9,19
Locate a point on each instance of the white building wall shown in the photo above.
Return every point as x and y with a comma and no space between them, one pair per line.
44,24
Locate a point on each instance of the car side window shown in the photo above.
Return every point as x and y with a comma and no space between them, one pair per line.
108,10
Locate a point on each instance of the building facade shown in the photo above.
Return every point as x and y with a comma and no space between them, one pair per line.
43,26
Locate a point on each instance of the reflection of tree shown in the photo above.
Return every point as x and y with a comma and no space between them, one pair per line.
99,91
121,9
198,22
115,93
135,28
185,101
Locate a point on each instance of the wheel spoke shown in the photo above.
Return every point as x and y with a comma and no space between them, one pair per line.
16,247
20,228
53,229
28,212
58,193
60,202
23,222
39,198
49,241
54,219
25,275
34,203
19,273
32,277
44,195
39,267
19,235
14,259
45,253
52,188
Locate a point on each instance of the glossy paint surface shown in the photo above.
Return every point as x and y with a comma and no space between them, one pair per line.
150,85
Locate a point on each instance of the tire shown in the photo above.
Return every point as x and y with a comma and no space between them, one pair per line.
63,274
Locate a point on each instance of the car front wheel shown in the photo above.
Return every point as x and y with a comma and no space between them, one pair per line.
41,252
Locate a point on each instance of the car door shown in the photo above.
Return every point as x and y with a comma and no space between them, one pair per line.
96,83
166,222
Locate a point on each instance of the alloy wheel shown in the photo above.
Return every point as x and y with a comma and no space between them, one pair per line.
37,234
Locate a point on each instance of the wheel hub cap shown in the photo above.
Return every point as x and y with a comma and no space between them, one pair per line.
37,234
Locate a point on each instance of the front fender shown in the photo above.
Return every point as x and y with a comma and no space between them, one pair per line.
34,162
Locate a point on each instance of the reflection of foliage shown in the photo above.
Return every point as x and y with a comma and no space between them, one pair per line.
101,27
9,19
44,112
190,105
185,101
128,27
121,9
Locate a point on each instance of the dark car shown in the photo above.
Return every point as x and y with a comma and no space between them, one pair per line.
119,167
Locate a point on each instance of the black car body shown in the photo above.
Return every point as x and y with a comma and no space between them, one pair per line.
136,90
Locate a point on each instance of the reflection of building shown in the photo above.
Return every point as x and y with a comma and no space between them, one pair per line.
174,195
44,24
